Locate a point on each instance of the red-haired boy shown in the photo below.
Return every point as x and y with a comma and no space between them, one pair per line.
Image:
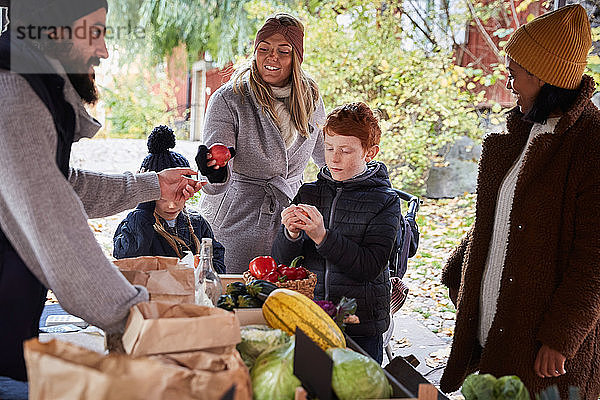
346,222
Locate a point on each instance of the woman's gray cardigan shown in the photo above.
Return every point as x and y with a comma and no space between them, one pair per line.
263,177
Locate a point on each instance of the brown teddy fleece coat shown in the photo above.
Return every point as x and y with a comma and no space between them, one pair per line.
550,287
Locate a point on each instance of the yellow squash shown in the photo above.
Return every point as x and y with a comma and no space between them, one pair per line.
286,309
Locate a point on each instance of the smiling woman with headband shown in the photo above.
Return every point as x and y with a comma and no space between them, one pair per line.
272,114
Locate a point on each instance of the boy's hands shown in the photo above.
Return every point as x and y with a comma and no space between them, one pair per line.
291,222
304,217
175,186
313,222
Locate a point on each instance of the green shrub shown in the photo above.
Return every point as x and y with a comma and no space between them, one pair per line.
135,104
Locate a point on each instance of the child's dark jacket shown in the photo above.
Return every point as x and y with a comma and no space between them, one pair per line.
362,217
135,236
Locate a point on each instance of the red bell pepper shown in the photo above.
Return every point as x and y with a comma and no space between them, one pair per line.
293,272
273,276
289,273
262,265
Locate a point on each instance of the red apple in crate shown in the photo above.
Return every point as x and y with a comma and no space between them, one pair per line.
220,153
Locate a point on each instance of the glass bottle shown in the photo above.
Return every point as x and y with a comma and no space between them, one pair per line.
209,286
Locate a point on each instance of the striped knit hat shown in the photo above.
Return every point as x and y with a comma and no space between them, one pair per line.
554,46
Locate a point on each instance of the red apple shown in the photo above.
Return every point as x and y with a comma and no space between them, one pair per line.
220,153
301,211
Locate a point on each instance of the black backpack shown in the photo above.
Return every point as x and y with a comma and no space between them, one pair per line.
407,239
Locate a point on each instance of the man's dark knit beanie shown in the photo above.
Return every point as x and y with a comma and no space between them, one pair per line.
53,12
160,141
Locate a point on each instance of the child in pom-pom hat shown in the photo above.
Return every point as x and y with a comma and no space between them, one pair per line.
164,228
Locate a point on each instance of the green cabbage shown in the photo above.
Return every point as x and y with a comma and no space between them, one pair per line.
479,387
259,338
357,377
487,387
510,388
273,374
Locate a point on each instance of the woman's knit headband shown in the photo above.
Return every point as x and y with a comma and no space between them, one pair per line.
291,33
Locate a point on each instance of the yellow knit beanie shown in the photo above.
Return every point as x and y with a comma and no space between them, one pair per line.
554,46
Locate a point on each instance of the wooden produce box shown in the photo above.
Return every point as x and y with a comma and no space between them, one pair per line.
226,279
246,316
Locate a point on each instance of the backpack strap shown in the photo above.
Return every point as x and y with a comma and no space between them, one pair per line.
403,252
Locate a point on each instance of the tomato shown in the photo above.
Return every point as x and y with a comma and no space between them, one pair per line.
260,266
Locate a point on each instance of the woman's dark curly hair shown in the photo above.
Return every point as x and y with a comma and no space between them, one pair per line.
550,99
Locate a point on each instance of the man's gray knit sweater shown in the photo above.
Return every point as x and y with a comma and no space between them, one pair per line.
45,215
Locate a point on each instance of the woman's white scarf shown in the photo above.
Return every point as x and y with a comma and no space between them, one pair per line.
285,124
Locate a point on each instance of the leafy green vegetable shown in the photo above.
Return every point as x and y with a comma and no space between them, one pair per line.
272,374
357,377
487,387
257,339
479,387
510,387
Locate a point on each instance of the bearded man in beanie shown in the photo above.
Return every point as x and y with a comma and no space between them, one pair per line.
526,277
47,61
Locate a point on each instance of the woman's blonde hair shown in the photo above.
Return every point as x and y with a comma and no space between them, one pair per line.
304,94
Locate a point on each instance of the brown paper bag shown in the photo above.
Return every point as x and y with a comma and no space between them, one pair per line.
157,328
214,372
60,370
165,277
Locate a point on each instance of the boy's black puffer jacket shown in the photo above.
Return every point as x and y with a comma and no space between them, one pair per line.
361,216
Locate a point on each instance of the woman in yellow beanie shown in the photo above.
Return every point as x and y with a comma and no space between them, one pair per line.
526,277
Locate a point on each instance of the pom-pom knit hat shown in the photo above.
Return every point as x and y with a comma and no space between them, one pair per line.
554,46
160,141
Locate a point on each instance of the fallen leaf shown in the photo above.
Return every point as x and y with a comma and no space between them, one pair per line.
402,343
